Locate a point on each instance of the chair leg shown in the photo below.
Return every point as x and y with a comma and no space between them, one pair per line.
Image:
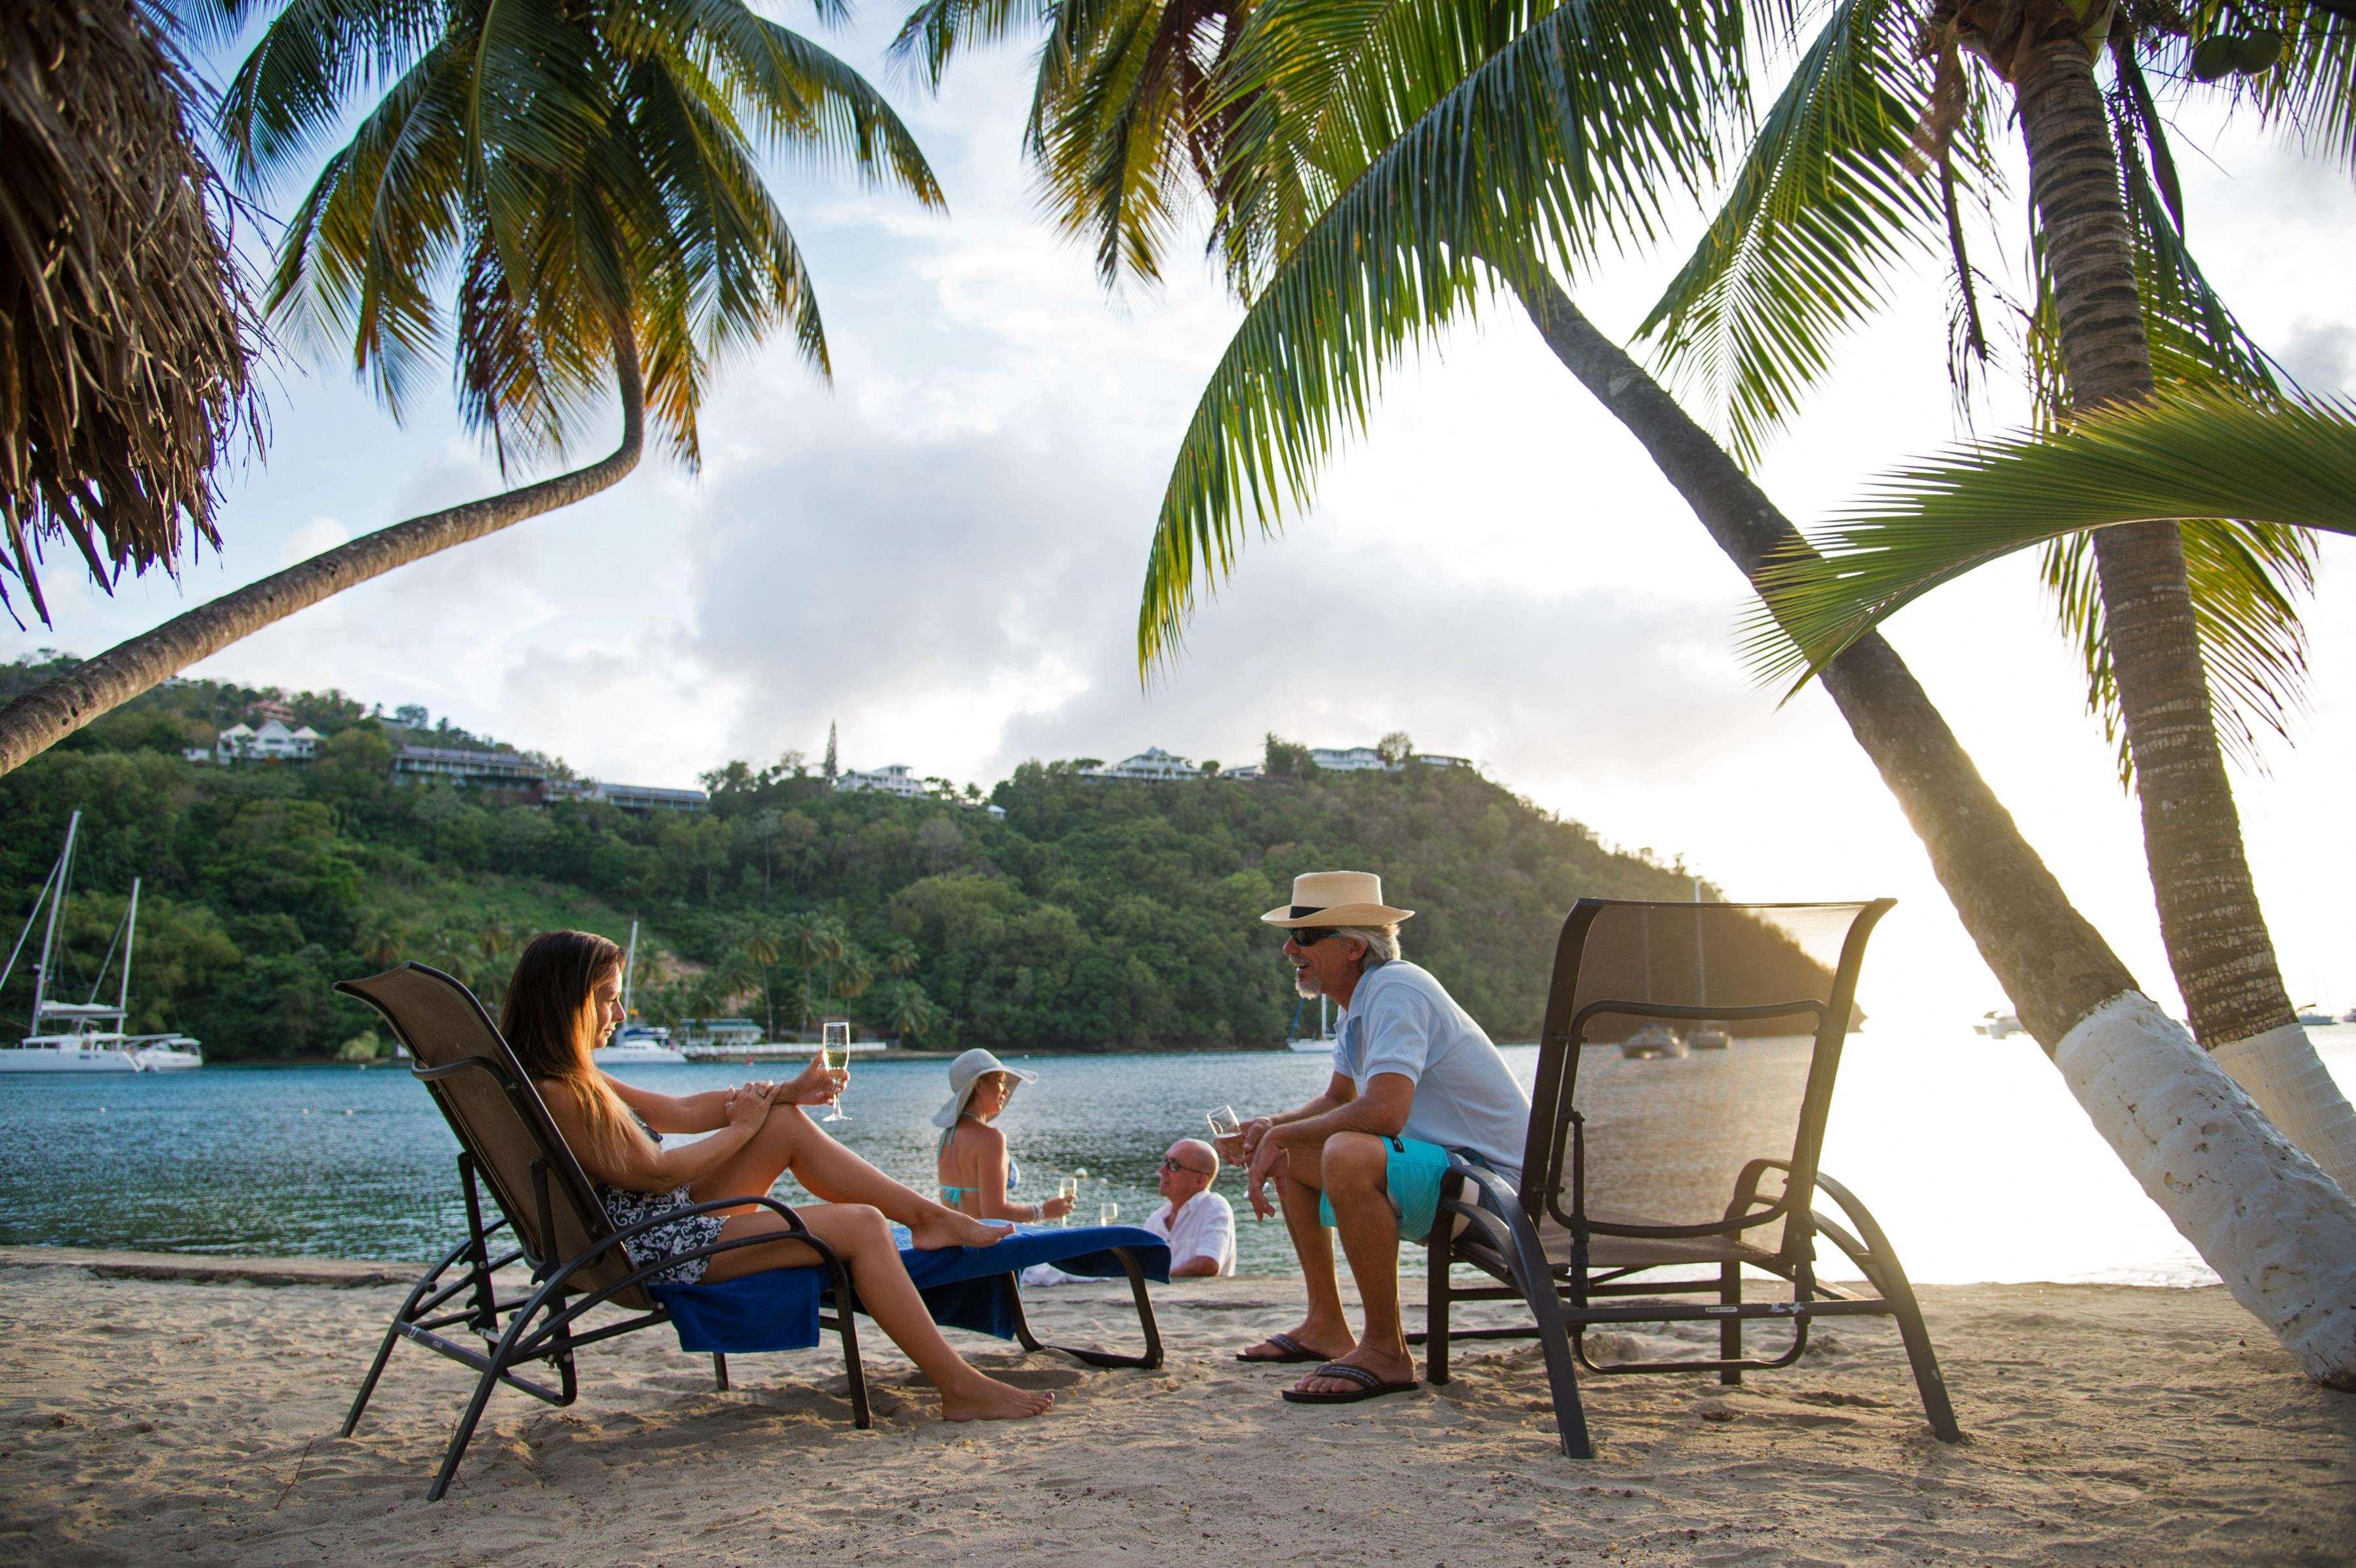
1562,1370
1145,1322
846,1319
1729,1328
1884,1272
376,1370
1435,1315
720,1371
465,1433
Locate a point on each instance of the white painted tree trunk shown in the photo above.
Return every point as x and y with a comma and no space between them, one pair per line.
2280,1233
2281,1071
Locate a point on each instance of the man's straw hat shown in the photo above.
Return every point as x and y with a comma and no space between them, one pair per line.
1337,898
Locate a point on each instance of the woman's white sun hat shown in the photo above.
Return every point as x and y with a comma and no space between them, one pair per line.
964,1073
1337,898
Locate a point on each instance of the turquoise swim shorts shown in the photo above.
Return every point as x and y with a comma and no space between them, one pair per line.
1412,1177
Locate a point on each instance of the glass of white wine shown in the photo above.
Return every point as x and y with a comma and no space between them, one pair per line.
834,1055
1107,1213
1068,1189
1225,1124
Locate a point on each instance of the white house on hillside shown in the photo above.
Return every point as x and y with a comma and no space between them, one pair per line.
273,742
894,778
1153,764
1355,759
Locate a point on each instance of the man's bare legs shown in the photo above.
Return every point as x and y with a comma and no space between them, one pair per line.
859,1236
1325,1329
789,1141
1355,1167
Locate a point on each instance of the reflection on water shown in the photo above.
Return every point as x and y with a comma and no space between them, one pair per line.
1969,1151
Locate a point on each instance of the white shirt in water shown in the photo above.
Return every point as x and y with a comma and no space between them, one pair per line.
1206,1228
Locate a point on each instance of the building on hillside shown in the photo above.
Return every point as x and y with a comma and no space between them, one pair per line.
1353,759
893,778
273,742
1153,765
640,799
1244,775
269,709
469,769
1434,759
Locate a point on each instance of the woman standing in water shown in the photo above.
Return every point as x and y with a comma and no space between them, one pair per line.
975,1169
564,998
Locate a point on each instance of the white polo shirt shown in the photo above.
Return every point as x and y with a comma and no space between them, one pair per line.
1400,1020
1206,1227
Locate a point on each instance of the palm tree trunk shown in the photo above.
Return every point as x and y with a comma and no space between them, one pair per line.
46,714
2278,1230
2208,914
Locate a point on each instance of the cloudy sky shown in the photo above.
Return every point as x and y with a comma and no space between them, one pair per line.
942,552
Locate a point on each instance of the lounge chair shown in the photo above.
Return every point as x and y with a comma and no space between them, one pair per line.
554,1224
1665,1170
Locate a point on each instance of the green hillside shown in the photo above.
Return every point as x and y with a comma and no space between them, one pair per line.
1093,915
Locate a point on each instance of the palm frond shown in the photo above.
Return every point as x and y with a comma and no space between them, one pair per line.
1833,195
2187,456
935,30
1568,140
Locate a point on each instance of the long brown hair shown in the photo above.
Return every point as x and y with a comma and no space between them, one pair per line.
550,1019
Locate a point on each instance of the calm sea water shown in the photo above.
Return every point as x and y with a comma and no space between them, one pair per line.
1970,1152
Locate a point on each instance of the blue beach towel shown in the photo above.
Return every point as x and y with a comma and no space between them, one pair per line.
964,1287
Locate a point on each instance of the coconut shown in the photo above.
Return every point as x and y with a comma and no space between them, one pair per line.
2215,56
2258,53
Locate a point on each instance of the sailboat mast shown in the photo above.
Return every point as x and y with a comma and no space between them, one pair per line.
49,932
629,961
130,930
1701,981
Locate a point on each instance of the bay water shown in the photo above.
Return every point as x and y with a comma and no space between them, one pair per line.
1969,1151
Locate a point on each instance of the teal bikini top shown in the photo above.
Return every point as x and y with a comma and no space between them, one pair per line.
953,1195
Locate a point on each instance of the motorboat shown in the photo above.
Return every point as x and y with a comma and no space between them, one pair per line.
637,1045
2313,1015
1709,1037
86,1036
1997,1025
1652,1040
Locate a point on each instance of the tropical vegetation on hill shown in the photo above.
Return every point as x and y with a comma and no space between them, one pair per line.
1094,915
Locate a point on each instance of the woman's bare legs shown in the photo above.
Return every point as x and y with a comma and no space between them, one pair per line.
858,1235
791,1141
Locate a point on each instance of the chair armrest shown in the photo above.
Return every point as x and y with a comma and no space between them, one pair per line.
1499,1214
1746,1186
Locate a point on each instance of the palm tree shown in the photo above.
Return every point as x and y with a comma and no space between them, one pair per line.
581,178
901,958
912,1014
124,377
1416,157
761,949
1836,186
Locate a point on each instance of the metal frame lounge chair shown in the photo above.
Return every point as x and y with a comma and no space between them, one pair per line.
554,1224
1702,1161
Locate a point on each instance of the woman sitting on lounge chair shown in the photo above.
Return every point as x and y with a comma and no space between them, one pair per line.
974,1167
565,997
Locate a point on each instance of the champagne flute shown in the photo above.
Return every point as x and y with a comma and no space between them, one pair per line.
1107,1213
834,1055
1226,1124
1068,1189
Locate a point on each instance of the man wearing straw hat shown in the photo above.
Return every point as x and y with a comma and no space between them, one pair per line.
1415,1079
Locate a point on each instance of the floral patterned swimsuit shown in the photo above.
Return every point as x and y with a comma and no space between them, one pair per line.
684,1234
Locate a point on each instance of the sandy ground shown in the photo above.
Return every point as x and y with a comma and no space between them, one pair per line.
150,1421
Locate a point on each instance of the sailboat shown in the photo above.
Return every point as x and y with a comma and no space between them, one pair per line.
74,1037
637,1045
1707,1035
1321,1042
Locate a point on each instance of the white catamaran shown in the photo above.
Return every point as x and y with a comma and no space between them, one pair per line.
87,1036
637,1045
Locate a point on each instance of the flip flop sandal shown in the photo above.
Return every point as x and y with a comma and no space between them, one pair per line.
1370,1387
1294,1351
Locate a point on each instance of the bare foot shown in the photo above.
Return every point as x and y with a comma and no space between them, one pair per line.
987,1399
948,1228
1392,1366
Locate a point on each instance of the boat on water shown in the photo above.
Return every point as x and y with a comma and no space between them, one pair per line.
1709,1037
2311,1016
1321,1042
2348,1016
637,1045
1652,1040
86,1036
1997,1025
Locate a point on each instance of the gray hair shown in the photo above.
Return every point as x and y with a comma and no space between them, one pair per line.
1382,942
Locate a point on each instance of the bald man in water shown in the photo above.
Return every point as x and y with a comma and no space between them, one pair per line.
1199,1225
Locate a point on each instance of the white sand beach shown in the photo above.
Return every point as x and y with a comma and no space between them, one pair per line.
146,1421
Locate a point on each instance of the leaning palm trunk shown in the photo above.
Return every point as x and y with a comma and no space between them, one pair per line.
2208,915
2278,1231
46,714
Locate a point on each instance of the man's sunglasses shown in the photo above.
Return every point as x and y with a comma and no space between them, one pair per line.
1169,1165
1308,936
